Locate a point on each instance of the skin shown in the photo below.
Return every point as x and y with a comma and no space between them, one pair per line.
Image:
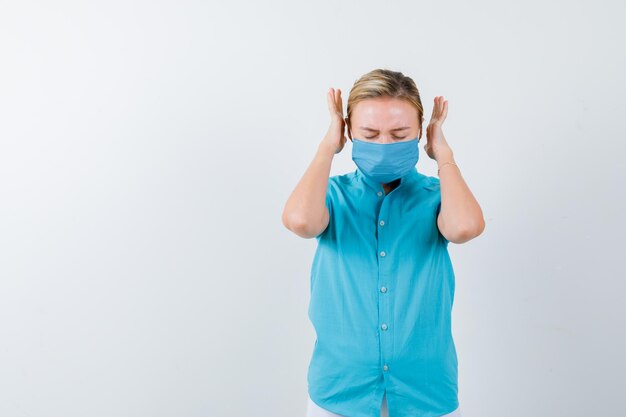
305,212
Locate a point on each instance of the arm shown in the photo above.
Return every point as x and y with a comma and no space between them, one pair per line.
460,218
305,212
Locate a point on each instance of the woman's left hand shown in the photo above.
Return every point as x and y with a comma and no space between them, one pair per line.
436,145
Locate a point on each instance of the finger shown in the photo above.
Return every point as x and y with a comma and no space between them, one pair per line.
434,114
329,100
333,109
339,102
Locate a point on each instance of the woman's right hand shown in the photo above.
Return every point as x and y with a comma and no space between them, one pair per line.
335,138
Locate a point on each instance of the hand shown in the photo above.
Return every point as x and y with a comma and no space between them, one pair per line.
335,138
437,146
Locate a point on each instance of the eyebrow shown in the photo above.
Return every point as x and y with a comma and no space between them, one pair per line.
393,130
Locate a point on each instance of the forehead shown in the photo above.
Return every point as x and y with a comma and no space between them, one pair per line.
384,110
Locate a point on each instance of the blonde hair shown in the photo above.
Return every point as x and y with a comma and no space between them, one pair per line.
385,83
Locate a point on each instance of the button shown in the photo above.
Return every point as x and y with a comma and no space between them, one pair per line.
385,368
382,223
379,193
382,253
383,289
383,326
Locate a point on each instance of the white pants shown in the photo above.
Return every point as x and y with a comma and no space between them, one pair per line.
314,410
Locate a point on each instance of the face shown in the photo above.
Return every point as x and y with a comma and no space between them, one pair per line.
384,120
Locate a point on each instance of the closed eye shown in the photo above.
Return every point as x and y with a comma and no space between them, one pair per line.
372,137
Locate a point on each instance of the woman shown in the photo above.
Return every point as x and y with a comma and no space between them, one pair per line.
382,283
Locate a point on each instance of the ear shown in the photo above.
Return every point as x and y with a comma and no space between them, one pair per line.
349,129
420,131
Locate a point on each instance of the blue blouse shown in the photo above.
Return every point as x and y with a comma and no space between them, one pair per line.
382,289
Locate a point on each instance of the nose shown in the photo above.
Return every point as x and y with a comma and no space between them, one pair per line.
385,140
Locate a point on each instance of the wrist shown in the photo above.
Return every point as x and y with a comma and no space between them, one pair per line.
445,158
445,164
325,151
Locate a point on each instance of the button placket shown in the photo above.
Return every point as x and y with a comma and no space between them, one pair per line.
384,300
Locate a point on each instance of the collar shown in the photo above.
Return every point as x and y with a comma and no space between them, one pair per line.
411,176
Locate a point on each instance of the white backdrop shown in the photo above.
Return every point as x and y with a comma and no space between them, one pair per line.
147,149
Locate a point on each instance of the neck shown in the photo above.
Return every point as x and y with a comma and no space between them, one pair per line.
391,185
